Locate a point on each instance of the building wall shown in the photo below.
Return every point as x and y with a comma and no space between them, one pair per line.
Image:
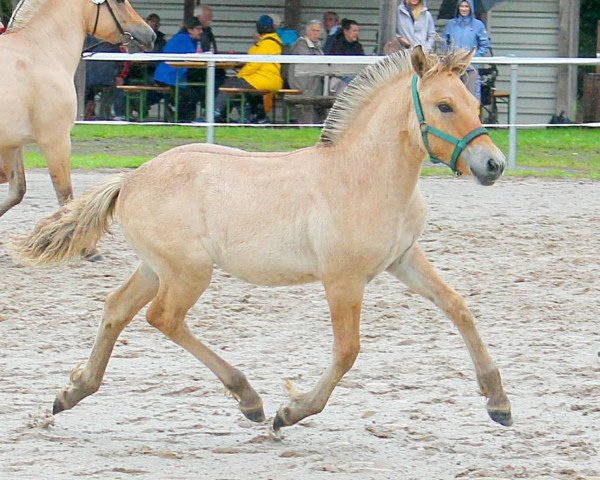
525,29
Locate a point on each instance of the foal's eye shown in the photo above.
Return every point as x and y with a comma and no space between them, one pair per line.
445,108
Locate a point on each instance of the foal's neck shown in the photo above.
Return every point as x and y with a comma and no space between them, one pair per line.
380,135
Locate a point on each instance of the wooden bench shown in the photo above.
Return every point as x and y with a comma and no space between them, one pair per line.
140,93
242,94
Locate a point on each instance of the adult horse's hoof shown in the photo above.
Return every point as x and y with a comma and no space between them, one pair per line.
503,418
57,407
257,415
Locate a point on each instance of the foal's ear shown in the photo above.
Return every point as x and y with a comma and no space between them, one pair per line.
464,62
418,59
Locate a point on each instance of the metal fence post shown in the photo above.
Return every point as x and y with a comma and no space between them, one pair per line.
210,102
512,117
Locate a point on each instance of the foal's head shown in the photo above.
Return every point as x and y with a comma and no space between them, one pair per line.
117,22
449,123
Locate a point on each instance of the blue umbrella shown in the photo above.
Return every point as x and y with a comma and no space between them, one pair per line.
448,7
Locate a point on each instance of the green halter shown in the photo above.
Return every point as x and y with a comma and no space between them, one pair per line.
459,144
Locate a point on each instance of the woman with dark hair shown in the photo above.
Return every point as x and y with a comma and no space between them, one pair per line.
346,42
257,76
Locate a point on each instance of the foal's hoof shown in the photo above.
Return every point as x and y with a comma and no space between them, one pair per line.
278,423
57,407
91,255
256,415
503,418
282,419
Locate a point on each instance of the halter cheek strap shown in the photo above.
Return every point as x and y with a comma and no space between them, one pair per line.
459,145
126,37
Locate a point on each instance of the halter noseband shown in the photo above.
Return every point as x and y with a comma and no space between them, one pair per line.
126,37
425,129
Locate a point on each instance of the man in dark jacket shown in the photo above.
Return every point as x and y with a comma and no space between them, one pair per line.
347,42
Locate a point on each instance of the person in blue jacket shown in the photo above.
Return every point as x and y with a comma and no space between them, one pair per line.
466,32
165,75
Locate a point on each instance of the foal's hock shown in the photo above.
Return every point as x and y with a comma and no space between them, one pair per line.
340,212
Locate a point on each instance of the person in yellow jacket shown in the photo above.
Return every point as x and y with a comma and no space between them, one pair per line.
258,76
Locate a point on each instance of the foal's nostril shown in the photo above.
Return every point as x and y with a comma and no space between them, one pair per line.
492,166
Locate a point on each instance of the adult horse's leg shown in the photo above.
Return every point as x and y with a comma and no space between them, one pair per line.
417,273
11,162
57,150
345,300
120,307
179,291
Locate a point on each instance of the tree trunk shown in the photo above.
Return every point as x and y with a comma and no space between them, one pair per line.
291,14
387,23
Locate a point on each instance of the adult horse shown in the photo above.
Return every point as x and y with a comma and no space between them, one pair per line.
340,212
39,54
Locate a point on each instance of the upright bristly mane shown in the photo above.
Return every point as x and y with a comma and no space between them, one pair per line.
23,12
372,78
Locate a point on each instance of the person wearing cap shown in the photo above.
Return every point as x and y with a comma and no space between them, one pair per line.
287,35
165,75
258,76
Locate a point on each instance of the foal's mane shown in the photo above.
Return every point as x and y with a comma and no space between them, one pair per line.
372,78
23,13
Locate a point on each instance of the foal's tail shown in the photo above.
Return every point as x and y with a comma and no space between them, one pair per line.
73,229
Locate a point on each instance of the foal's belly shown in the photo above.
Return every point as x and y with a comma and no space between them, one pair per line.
267,268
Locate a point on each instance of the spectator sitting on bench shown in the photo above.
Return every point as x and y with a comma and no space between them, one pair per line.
165,75
256,76
346,43
308,44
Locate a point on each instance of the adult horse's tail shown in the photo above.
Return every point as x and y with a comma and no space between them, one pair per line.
74,228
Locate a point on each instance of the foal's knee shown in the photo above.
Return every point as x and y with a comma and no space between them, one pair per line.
457,309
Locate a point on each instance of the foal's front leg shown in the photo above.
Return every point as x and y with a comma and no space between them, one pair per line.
417,273
345,301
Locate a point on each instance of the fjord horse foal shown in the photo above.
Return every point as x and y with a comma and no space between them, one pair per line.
340,212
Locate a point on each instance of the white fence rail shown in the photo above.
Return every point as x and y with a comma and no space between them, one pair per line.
212,61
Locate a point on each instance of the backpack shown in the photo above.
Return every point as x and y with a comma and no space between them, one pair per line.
285,67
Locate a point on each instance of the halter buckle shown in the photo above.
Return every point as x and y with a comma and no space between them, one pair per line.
98,2
126,38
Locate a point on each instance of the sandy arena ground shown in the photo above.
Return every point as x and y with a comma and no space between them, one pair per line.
524,253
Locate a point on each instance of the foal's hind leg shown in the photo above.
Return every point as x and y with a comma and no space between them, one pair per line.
11,163
120,307
417,273
345,301
178,292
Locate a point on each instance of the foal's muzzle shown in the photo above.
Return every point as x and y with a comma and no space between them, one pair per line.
487,166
